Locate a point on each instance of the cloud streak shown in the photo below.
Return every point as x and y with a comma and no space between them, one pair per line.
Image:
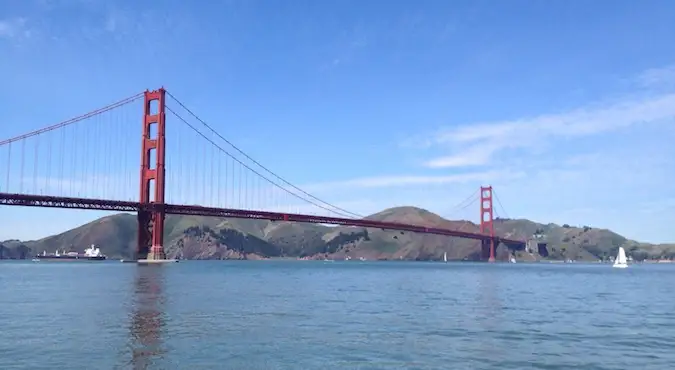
478,143
657,77
412,180
14,28
475,155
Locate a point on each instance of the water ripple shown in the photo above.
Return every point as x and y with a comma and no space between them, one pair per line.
304,315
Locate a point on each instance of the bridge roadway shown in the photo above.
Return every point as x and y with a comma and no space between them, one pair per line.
46,201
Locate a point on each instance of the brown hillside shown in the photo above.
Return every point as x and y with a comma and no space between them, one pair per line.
220,238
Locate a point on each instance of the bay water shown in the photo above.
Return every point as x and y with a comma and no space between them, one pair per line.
335,315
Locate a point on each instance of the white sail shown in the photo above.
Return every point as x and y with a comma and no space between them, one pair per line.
445,257
621,261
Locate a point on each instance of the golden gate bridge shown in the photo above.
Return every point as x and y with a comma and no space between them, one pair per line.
90,162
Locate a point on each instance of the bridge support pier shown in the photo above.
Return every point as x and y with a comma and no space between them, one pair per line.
156,253
487,250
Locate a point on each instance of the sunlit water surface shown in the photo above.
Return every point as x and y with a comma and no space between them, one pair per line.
335,315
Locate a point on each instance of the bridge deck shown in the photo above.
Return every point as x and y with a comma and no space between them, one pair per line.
130,206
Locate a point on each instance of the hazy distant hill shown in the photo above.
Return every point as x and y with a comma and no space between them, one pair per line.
197,237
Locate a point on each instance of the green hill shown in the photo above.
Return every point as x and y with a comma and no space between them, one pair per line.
196,237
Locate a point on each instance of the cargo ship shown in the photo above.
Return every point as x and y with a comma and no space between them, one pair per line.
90,254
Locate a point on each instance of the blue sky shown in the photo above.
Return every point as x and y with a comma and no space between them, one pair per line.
566,107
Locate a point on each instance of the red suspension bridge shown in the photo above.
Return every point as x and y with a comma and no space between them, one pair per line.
87,163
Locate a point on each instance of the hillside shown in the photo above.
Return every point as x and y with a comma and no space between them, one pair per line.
582,242
195,237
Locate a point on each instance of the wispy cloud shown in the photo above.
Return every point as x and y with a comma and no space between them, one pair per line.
111,23
478,143
475,155
347,46
14,28
412,180
657,77
652,207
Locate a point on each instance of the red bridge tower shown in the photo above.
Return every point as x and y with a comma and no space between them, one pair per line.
151,215
487,226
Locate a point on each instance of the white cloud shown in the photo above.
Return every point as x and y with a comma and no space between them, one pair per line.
110,23
476,155
479,142
656,77
13,28
412,180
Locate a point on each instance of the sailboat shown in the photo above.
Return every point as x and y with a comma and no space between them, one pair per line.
620,261
445,256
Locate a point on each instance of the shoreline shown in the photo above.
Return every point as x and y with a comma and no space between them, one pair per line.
351,260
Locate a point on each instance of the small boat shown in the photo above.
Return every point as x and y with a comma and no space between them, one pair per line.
621,261
512,259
